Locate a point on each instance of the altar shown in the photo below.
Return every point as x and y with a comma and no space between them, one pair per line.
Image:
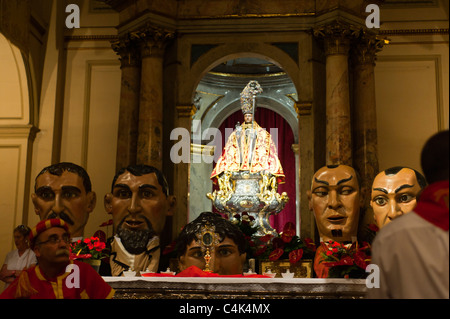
235,288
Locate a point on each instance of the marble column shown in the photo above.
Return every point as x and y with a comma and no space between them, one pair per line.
338,119
150,139
305,164
365,150
129,101
181,172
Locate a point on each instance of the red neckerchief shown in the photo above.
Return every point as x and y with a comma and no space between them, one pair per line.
433,204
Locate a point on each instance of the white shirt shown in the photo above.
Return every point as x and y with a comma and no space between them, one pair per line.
413,257
16,262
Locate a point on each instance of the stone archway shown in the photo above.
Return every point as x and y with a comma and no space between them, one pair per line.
217,98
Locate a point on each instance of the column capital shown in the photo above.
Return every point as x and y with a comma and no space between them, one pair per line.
153,39
337,36
128,51
365,48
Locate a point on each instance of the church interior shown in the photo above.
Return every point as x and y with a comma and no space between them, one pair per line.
117,88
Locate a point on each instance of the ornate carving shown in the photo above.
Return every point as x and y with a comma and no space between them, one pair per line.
365,48
254,193
337,36
153,39
128,51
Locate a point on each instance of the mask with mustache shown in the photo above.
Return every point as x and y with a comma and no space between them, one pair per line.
62,216
135,241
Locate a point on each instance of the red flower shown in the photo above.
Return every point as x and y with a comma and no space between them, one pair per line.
329,253
266,238
99,246
276,254
295,256
361,259
288,232
260,251
310,244
335,244
278,243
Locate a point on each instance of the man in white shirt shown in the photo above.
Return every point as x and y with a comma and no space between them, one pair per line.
412,251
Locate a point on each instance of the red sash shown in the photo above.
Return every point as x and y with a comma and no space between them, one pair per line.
433,204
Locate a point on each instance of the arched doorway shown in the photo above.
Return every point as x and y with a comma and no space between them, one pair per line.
16,138
218,106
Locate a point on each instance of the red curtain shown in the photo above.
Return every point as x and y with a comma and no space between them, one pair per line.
268,119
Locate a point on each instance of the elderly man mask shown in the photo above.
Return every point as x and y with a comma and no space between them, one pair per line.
335,200
139,203
394,193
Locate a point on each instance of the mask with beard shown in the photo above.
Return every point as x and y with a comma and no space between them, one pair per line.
135,241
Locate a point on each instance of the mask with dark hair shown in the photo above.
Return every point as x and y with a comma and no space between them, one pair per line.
222,227
59,168
139,170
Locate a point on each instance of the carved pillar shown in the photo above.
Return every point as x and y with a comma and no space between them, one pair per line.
149,145
365,158
129,101
306,163
181,172
338,130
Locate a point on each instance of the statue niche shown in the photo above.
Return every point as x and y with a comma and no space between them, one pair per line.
249,171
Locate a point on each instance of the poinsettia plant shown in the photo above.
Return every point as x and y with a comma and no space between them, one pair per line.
286,245
89,248
346,260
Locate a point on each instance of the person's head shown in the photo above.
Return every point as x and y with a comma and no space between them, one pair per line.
227,252
139,203
435,156
335,200
64,191
395,192
21,234
248,117
50,241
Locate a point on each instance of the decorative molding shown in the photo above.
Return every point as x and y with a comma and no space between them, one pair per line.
303,108
19,131
198,149
186,110
69,38
409,32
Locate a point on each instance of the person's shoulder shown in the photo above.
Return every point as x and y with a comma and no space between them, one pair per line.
404,223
